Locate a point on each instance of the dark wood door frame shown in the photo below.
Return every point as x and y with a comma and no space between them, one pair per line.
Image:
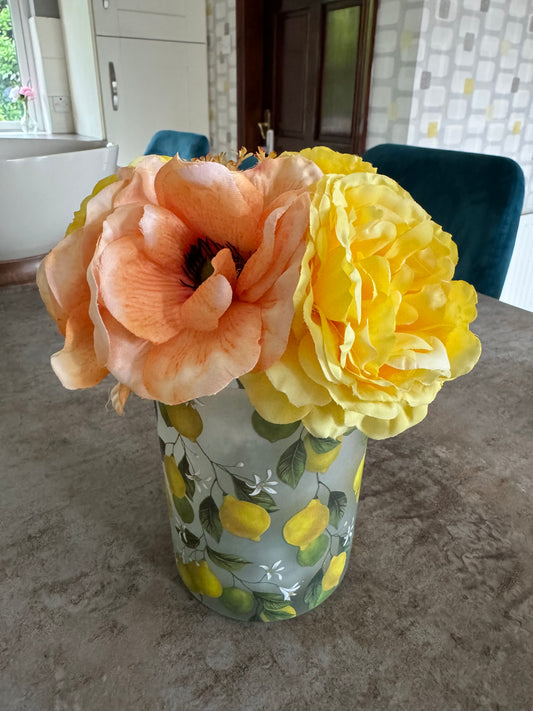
252,89
250,20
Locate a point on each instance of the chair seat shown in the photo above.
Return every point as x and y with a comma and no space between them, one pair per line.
478,198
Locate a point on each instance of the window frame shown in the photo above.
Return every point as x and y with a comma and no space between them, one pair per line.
20,14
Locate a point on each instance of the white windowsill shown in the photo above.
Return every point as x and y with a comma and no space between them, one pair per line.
42,135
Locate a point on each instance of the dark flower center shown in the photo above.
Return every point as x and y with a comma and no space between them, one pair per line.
197,266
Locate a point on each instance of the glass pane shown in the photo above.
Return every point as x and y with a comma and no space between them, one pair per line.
9,67
338,77
291,59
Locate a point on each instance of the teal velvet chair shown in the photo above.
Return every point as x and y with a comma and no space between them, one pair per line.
168,143
478,198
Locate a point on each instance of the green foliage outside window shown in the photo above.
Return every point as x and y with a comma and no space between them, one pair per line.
9,68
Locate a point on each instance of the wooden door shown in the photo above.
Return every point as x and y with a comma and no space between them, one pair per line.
308,62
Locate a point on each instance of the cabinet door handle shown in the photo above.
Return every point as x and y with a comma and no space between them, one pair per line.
113,85
105,3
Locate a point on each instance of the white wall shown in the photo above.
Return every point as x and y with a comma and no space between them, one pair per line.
456,74
222,68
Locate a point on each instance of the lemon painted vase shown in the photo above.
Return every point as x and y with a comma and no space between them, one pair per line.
262,515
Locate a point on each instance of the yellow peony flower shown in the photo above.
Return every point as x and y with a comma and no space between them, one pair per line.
379,324
329,161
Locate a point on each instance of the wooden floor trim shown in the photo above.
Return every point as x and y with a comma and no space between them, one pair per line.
19,271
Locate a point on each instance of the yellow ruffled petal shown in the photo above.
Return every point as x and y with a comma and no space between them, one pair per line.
330,161
271,404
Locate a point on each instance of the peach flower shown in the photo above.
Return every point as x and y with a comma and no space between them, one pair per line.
62,275
187,284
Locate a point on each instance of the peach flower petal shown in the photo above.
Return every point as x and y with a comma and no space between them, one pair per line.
283,243
52,306
206,304
214,201
204,362
75,365
122,352
125,354
141,295
121,222
64,271
140,188
285,174
276,314
166,238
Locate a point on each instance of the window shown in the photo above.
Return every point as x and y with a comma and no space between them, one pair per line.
16,62
9,67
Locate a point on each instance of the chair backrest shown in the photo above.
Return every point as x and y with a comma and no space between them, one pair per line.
478,198
168,143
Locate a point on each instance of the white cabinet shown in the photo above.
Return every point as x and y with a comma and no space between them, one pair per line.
136,67
152,65
148,85
174,20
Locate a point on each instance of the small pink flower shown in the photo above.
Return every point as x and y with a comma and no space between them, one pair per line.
27,91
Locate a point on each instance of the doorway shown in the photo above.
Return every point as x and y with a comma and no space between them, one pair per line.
303,70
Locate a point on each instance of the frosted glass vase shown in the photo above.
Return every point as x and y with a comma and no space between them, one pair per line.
262,515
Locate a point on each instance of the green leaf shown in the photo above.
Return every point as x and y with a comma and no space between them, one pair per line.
227,561
183,466
185,471
291,464
321,445
164,414
184,509
272,598
276,602
270,431
188,537
190,487
337,505
263,499
314,590
209,518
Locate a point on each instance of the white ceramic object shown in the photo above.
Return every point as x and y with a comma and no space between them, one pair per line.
43,182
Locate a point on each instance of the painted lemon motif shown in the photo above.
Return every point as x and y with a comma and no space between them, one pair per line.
237,600
186,420
307,525
333,573
174,477
198,577
286,612
319,462
185,573
358,478
313,553
244,519
169,504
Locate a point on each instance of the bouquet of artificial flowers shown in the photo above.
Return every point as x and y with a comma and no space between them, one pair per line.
320,285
